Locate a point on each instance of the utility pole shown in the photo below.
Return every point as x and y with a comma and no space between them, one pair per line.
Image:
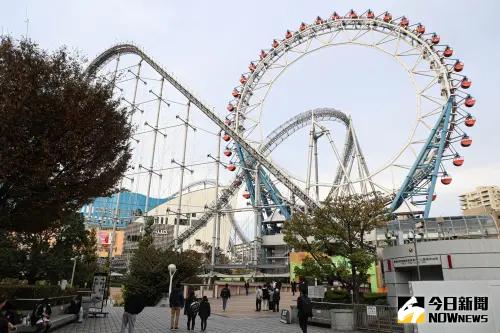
181,184
217,216
155,129
257,213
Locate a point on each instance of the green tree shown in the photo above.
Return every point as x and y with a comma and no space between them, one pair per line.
339,228
46,255
149,274
63,138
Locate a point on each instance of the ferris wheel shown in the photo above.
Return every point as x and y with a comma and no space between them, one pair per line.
442,102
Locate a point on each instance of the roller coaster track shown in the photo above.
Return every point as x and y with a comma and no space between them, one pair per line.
223,199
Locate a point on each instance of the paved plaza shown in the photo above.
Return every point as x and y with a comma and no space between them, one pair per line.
240,317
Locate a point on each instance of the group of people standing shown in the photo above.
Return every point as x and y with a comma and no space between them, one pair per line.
193,307
267,297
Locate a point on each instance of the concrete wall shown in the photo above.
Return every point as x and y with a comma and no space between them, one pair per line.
471,259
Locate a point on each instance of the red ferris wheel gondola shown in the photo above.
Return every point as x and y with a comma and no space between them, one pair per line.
465,83
228,152
420,29
459,66
275,43
226,137
446,179
243,79
458,160
230,107
470,121
303,26
448,52
470,101
387,17
335,16
246,195
466,141
319,20
231,167
370,14
435,39
404,22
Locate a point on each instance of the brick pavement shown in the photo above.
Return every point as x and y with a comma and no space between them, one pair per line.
239,319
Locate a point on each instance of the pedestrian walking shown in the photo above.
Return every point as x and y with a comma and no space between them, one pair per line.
258,299
247,285
176,300
265,298
276,300
225,294
191,309
294,287
204,312
304,306
271,298
134,304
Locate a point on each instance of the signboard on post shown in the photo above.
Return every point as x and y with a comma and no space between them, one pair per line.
99,292
371,310
316,291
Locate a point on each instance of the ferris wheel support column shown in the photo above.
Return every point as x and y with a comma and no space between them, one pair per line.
425,170
181,184
216,228
442,143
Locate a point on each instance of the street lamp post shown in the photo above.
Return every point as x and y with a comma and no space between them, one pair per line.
171,270
74,267
418,230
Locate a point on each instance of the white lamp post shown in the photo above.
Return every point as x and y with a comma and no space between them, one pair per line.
171,270
73,273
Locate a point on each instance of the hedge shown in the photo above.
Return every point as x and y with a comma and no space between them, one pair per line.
36,291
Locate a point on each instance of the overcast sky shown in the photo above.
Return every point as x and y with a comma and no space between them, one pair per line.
209,44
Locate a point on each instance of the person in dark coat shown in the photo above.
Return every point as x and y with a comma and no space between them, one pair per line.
294,287
204,312
134,304
304,308
271,298
247,285
5,325
176,300
225,294
276,300
191,309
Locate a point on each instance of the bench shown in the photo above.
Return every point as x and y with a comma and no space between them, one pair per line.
59,306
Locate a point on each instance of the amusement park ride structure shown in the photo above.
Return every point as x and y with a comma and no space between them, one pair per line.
442,105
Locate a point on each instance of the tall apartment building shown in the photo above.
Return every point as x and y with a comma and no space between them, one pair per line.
484,200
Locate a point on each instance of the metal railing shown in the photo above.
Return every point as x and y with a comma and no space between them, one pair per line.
440,228
385,319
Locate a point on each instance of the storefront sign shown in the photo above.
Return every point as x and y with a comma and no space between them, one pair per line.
412,261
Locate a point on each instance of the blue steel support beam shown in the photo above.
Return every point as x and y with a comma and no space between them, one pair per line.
425,170
268,185
274,193
442,144
248,176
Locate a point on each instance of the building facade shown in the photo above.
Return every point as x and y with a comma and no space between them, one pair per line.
446,249
484,200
